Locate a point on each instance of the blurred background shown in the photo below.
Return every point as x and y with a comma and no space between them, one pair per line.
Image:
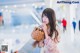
19,17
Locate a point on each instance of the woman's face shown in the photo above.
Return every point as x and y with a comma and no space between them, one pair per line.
45,19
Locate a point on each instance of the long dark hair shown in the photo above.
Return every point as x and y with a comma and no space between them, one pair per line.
52,22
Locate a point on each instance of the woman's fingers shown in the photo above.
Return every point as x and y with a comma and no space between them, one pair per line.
44,27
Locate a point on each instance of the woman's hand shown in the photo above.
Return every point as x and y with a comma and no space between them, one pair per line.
44,27
41,44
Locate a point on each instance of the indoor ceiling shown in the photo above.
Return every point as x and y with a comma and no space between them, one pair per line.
11,2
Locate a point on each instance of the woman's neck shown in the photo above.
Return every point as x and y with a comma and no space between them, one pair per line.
48,28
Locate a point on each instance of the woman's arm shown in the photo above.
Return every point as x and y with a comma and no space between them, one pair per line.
44,27
46,35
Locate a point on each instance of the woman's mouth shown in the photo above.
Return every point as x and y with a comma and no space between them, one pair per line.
44,21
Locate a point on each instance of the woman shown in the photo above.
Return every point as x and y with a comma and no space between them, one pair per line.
79,25
74,24
64,22
51,34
